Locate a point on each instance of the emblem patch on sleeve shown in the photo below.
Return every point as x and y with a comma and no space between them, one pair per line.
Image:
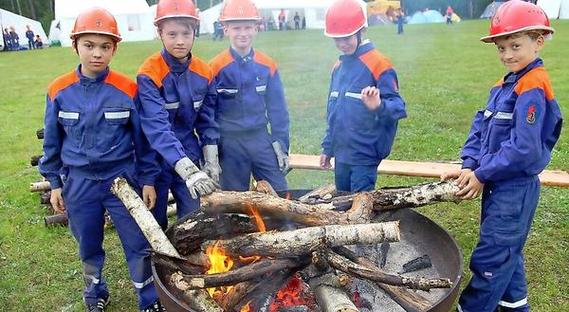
530,116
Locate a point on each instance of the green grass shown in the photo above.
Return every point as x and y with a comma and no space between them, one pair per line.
445,74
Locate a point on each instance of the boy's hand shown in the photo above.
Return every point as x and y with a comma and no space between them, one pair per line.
149,196
370,97
448,175
56,201
469,185
325,162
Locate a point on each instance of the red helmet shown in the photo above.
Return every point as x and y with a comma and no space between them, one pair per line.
239,10
96,21
175,8
345,18
516,16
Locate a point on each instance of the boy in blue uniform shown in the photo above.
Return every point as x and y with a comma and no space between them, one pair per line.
364,104
178,107
92,130
250,96
509,144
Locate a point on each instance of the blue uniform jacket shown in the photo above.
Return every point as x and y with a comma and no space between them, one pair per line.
356,135
91,126
513,137
250,95
178,106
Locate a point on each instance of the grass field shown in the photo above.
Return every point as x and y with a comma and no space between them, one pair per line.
445,74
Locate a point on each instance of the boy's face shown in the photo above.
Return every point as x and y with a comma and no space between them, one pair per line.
95,53
516,52
241,34
347,45
177,37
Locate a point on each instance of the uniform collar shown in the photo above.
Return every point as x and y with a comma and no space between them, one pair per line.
364,47
512,77
174,64
242,59
100,77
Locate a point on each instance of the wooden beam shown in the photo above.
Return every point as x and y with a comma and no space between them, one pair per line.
422,169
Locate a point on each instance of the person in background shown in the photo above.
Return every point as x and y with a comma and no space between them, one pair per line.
296,20
92,131
30,36
364,105
177,112
250,100
38,42
15,39
509,144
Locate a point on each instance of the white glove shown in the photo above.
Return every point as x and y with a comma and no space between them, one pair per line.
282,157
211,162
197,181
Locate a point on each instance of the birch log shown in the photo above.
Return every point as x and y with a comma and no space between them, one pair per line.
143,217
306,240
199,300
330,297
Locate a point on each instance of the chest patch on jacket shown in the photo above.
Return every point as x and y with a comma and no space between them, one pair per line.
530,116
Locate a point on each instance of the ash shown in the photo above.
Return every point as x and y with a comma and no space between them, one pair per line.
373,298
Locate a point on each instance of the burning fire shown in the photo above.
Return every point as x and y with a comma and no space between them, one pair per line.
262,228
246,308
290,295
220,263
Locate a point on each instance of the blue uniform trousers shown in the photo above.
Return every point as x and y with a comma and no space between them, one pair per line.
355,178
497,263
185,204
86,201
249,153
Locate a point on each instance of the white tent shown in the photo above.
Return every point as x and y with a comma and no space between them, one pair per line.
313,11
133,16
424,17
555,8
491,9
9,19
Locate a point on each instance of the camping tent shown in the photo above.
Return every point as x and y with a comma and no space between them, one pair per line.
9,19
429,16
555,8
491,9
313,11
133,16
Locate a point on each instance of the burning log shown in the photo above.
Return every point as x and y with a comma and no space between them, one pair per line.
322,214
143,217
242,274
306,240
408,300
261,296
199,300
236,294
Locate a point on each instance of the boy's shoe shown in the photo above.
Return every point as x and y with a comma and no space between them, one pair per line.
155,307
99,306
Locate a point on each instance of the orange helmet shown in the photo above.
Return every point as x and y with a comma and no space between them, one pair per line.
239,10
345,18
516,16
175,8
96,21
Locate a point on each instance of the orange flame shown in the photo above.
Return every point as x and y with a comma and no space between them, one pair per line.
289,295
262,228
246,308
220,263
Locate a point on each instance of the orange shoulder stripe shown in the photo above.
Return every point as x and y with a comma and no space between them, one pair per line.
201,68
220,61
376,63
536,78
61,83
263,59
121,82
154,68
